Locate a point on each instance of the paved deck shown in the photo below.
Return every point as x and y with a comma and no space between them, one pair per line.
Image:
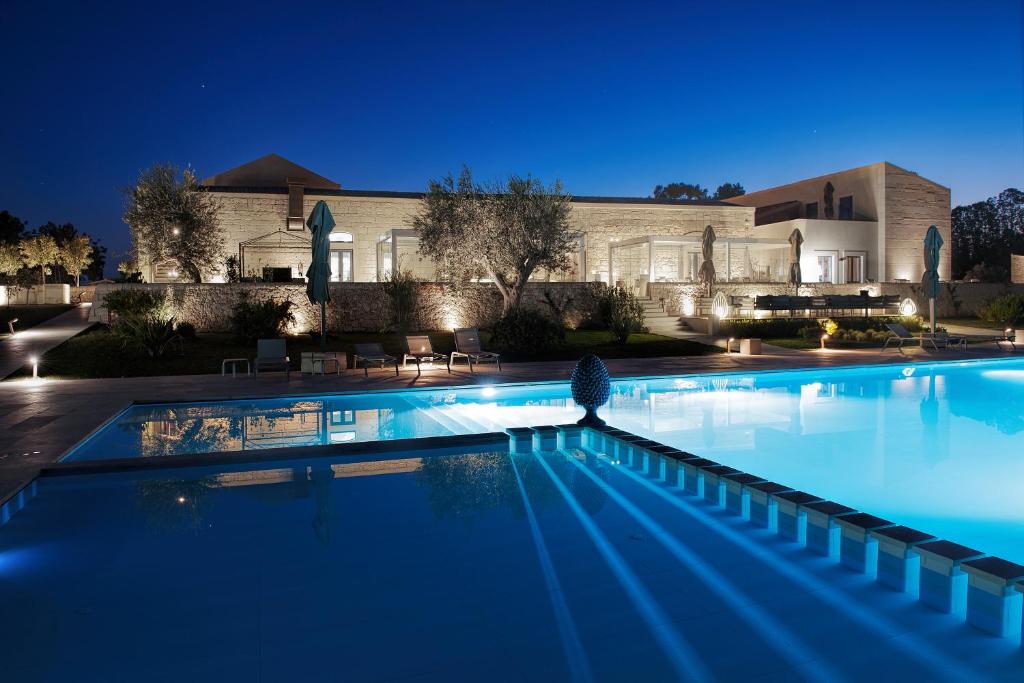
16,351
40,420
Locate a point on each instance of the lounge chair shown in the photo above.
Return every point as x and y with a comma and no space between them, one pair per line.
467,345
271,354
903,336
372,353
419,350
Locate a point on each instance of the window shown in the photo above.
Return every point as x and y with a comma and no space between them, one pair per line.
846,208
341,265
854,269
811,210
825,269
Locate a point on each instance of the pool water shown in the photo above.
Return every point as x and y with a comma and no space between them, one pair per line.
939,447
435,566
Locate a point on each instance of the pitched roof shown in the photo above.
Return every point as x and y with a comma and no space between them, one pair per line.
271,170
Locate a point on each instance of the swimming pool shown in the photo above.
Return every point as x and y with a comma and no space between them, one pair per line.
933,446
453,564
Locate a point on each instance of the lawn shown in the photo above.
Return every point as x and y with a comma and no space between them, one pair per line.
974,322
97,353
29,316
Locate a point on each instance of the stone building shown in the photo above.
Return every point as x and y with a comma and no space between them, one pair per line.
872,232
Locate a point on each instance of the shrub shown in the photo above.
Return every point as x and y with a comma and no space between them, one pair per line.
523,330
186,329
830,326
401,289
1007,309
149,335
138,303
781,328
260,320
621,313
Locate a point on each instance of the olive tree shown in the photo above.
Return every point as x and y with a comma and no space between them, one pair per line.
40,251
172,218
76,255
503,232
10,259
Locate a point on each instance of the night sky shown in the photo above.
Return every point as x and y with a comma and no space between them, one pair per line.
611,99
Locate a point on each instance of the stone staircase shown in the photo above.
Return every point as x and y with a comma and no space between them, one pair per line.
659,322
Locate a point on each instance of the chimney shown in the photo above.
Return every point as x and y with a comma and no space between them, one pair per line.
296,188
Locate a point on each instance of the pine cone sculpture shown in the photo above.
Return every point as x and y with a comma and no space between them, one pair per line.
590,388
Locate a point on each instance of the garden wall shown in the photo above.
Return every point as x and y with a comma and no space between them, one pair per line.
358,306
955,298
38,294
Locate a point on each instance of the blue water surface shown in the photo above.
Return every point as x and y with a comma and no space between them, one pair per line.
939,447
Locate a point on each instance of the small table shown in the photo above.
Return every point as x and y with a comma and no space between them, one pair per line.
750,347
316,362
233,362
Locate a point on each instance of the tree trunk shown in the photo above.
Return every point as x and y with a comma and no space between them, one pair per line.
42,275
78,280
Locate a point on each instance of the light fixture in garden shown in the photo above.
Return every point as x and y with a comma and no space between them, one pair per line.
34,360
908,307
824,338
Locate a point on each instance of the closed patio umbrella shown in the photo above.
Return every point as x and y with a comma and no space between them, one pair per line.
795,240
320,223
930,279
706,274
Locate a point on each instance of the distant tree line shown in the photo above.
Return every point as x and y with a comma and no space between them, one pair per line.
54,253
985,233
693,191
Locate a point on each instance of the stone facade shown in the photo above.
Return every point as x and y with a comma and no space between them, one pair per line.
37,294
1017,268
246,217
359,306
912,204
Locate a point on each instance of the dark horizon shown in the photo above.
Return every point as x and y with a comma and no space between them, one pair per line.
612,102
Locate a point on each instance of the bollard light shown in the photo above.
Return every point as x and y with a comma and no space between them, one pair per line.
10,325
823,338
728,345
34,360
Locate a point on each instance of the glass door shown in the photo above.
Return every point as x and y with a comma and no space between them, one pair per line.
341,265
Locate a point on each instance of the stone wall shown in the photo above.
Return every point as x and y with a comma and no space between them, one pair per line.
912,204
247,217
358,306
38,294
956,299
1017,268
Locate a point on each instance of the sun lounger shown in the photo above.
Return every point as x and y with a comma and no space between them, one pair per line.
419,350
903,336
467,345
372,354
271,354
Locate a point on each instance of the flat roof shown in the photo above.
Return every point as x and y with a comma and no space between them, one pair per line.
394,194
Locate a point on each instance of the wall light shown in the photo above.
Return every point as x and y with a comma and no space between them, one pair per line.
908,307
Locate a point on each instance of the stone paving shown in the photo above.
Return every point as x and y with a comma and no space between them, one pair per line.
16,351
40,420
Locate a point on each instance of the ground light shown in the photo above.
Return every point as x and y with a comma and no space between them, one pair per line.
824,338
728,344
34,360
10,325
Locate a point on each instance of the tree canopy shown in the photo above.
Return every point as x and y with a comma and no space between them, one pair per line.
75,255
39,251
171,218
10,259
694,191
503,232
985,233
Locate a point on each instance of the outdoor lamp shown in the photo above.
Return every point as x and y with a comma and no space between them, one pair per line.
34,360
10,325
823,338
728,346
